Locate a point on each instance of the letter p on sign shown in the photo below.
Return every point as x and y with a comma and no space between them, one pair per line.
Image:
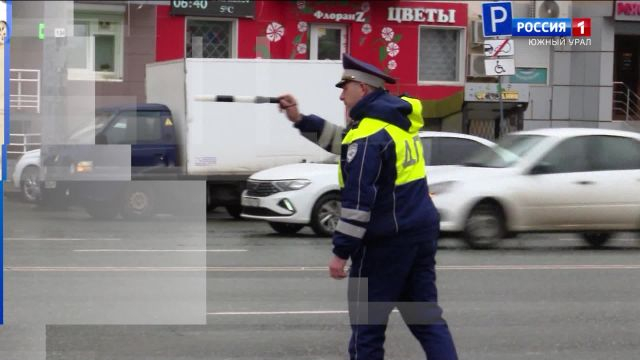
496,18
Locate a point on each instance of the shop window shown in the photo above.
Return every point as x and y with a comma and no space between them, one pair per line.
328,41
209,39
96,48
441,55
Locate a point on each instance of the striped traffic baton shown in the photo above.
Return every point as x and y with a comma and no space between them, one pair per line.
239,99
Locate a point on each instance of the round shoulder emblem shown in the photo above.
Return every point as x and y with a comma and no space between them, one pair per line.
352,151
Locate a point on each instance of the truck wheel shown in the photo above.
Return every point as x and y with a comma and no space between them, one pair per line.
30,184
139,203
234,211
325,214
284,228
596,239
101,210
485,226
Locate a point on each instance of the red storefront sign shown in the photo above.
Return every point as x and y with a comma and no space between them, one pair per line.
627,10
384,33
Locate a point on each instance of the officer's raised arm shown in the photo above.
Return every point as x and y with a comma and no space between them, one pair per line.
324,133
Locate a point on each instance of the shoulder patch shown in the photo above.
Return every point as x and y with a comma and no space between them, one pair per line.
352,151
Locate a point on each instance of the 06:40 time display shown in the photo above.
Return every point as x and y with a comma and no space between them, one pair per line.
183,4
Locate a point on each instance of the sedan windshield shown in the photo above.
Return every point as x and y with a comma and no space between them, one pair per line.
507,152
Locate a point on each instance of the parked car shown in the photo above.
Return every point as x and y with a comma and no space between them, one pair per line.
26,176
558,180
293,196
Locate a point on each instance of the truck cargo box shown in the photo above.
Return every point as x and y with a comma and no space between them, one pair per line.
239,138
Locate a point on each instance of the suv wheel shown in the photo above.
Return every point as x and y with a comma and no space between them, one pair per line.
139,203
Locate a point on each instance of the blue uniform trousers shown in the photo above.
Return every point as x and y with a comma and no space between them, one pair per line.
400,273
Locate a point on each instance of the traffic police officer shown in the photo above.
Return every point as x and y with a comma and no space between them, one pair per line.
388,224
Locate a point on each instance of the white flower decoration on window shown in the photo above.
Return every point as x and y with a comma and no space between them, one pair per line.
302,26
366,28
301,48
393,49
318,14
387,33
300,4
275,31
365,6
392,65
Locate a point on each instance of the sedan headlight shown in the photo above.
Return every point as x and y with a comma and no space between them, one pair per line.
441,188
289,185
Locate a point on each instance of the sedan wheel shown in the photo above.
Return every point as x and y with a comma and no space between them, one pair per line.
597,239
325,214
485,226
30,184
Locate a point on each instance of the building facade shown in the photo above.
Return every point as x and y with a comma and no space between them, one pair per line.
89,54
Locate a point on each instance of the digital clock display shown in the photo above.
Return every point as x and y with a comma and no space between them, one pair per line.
183,4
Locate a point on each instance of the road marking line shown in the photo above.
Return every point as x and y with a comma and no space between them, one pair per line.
301,312
62,239
304,269
321,312
160,250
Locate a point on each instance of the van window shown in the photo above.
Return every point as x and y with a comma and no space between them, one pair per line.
136,128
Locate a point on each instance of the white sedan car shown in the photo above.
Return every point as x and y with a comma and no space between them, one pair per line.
557,180
292,196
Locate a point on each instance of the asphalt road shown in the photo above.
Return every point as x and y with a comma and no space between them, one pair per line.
215,288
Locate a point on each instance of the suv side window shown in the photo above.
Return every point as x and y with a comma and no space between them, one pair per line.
568,156
614,153
452,150
133,127
120,131
149,127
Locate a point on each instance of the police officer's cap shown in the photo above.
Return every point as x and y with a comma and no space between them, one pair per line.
357,70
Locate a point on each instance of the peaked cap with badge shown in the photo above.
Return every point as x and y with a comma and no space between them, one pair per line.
360,71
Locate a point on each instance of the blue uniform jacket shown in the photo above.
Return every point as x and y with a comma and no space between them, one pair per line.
374,208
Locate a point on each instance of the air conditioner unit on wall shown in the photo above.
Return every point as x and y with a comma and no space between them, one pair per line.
552,9
476,65
477,34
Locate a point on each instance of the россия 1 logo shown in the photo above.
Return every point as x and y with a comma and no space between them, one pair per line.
498,21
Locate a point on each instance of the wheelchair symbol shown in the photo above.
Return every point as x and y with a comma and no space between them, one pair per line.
498,69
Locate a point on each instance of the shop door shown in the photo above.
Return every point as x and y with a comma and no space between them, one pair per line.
626,62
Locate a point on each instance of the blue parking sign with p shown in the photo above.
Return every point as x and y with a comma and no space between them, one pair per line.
496,18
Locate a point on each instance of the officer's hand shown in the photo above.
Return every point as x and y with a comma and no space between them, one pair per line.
336,268
289,105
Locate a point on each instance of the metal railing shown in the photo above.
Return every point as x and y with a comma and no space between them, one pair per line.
625,102
25,96
21,143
